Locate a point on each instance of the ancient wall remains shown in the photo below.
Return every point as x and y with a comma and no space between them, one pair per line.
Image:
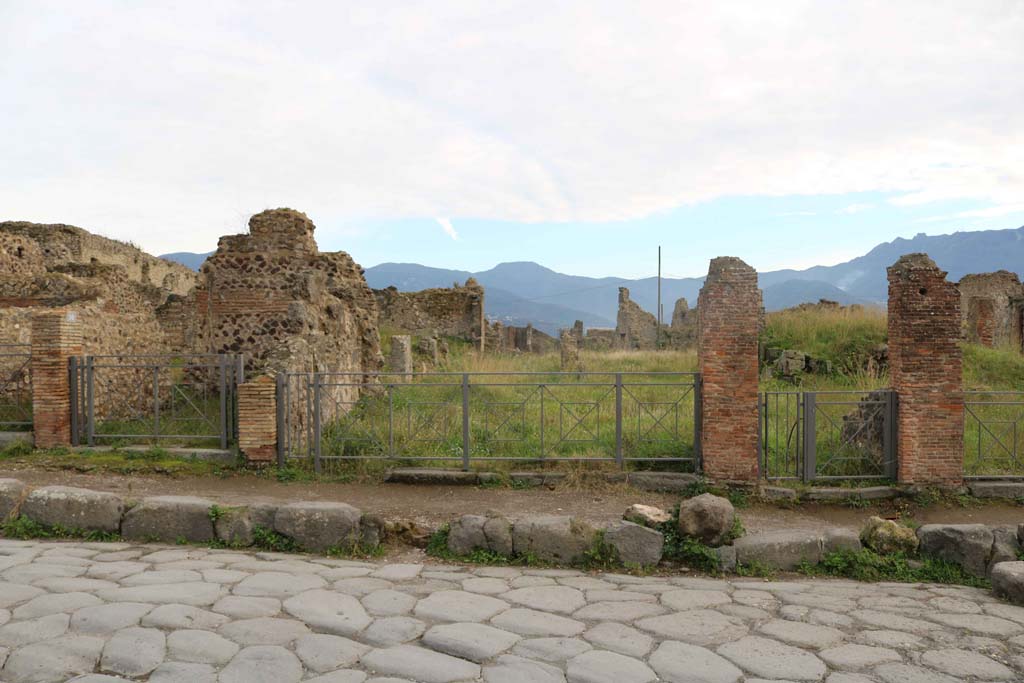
451,312
925,366
992,305
60,245
729,317
682,333
636,328
272,295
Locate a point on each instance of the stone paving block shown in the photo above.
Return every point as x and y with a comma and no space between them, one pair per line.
322,653
512,669
772,659
620,638
330,612
475,642
54,660
262,664
200,647
134,651
682,663
168,519
181,672
420,664
598,666
459,606
549,598
319,526
967,664
74,508
528,622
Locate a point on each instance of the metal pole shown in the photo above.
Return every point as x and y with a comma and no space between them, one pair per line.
279,394
657,338
316,422
810,436
156,400
465,421
73,398
222,363
698,418
391,420
618,420
90,399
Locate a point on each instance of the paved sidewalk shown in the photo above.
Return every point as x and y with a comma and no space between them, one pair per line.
181,614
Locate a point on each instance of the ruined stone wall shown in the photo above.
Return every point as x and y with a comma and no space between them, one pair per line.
20,255
457,311
61,245
992,306
636,328
926,368
600,339
682,333
272,295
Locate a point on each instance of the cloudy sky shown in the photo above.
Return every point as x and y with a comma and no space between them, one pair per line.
461,134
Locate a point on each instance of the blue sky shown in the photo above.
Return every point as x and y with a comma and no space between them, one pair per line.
580,134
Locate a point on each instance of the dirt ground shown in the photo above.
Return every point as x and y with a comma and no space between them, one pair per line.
433,505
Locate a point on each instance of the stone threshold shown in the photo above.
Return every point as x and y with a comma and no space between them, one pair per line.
214,455
673,482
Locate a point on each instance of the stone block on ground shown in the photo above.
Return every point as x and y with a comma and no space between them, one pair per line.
885,536
967,545
548,479
779,549
552,538
169,519
672,482
997,489
635,544
12,492
74,508
426,475
1005,546
1008,581
708,518
319,526
837,539
466,534
234,526
779,493
647,515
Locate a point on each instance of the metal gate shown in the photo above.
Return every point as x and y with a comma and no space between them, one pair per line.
163,400
993,436
828,435
15,387
458,418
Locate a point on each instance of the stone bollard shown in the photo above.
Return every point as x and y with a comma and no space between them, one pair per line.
570,347
400,359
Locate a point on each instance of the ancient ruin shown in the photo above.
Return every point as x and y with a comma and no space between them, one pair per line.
457,311
992,306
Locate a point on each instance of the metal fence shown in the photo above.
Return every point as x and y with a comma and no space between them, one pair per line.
459,418
15,387
828,435
993,438
155,399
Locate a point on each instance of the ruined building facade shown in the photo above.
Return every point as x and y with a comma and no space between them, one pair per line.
448,312
637,330
992,309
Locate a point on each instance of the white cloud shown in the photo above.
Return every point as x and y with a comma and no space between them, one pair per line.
855,208
169,126
987,212
448,228
788,214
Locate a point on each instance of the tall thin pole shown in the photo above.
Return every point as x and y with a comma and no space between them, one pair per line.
658,335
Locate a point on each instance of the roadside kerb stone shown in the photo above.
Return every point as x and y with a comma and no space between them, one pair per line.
74,508
552,538
319,526
169,519
635,544
779,549
966,545
12,492
1008,581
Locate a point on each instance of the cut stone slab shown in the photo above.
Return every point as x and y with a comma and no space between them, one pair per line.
682,663
800,634
277,585
134,651
168,519
528,622
427,475
967,545
107,618
335,613
772,659
388,603
393,631
54,660
672,482
459,606
696,627
561,599
234,526
779,549
966,664
264,631
475,642
598,666
552,538
197,594
551,649
682,600
181,672
635,544
200,647
620,638
618,611
243,607
74,508
262,664
319,526
420,664
512,669
906,673
322,653
23,633
183,617
856,657
466,534
54,603
997,489
14,593
1008,581
837,539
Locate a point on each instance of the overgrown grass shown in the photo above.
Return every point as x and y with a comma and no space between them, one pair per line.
150,461
845,336
24,528
866,565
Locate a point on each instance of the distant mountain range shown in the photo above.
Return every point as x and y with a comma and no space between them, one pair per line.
523,292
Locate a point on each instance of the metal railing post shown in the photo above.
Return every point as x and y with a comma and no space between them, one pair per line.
73,398
222,363
810,436
698,419
465,421
90,415
618,421
891,446
156,401
391,420
317,427
282,429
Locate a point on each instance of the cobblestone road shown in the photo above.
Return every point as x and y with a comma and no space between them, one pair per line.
111,612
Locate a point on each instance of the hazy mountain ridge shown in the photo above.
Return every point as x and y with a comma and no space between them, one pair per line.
521,292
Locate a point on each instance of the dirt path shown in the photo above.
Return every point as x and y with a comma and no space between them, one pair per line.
437,504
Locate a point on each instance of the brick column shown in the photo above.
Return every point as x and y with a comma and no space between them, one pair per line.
257,420
728,319
925,364
56,337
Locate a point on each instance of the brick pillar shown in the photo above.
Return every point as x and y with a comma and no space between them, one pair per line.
728,319
56,337
257,420
925,364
